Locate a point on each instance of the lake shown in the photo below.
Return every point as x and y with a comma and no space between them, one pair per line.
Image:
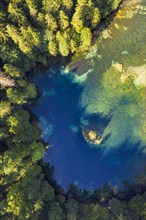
73,159
72,97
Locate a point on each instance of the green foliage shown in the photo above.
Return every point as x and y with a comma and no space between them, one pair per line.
93,212
51,5
53,47
51,22
3,33
14,56
144,211
96,18
30,35
25,199
117,208
64,21
86,38
73,45
67,3
37,151
11,165
21,95
137,204
55,212
15,34
115,4
5,109
63,44
72,209
77,22
12,70
33,7
19,126
14,11
24,24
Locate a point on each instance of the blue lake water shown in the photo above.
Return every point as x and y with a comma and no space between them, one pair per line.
61,119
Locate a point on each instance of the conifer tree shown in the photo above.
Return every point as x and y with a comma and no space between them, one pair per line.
77,21
53,47
64,21
86,38
67,3
96,18
63,43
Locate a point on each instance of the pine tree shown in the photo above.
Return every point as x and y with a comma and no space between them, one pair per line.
77,21
30,35
67,3
15,34
49,5
73,45
32,5
63,44
14,11
96,18
51,22
83,2
64,21
3,33
115,4
86,37
53,47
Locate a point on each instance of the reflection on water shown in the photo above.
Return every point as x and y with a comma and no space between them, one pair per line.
74,160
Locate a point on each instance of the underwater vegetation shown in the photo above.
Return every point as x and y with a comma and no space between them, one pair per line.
47,128
79,139
115,89
123,103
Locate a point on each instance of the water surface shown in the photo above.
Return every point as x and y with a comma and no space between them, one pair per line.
73,97
73,159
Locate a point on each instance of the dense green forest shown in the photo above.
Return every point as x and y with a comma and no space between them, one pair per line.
32,32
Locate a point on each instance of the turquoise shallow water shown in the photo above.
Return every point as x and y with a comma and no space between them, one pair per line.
61,118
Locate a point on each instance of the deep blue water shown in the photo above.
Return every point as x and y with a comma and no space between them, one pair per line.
73,159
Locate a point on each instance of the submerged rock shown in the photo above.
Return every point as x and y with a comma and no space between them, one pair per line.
52,92
92,53
117,26
74,128
138,75
125,52
105,34
46,127
75,77
118,66
84,122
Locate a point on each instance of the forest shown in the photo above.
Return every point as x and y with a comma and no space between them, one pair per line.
35,32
